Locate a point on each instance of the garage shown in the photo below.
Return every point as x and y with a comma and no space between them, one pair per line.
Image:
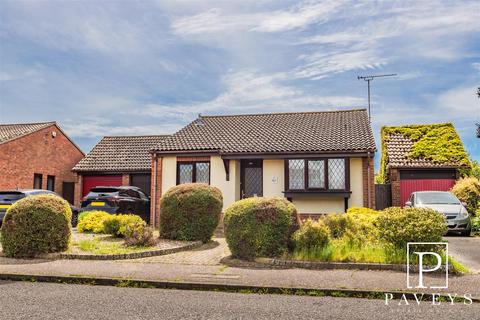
142,181
90,182
424,180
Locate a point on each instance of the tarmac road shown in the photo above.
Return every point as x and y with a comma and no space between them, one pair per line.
466,250
26,300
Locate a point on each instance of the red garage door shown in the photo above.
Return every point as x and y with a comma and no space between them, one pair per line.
90,182
412,185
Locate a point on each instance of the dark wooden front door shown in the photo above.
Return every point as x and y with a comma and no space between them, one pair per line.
68,191
251,178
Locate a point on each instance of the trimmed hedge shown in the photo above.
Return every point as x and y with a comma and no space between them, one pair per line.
468,190
256,227
399,226
36,225
190,212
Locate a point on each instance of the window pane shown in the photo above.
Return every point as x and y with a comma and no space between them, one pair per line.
296,174
316,174
51,183
203,172
336,174
185,173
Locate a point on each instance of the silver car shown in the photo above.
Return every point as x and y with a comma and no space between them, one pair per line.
458,219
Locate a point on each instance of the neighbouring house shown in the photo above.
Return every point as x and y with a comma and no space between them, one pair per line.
117,161
321,161
424,157
38,155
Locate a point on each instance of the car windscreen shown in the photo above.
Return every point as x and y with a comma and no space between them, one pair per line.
102,192
437,198
11,196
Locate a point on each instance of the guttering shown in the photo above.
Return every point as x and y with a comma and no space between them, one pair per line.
154,191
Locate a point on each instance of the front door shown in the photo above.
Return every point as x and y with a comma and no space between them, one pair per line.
251,178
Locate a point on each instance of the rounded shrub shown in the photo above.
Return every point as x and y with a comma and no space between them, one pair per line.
399,226
36,225
92,221
190,212
468,190
311,235
256,227
337,223
117,224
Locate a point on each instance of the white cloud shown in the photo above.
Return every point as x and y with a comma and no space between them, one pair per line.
476,66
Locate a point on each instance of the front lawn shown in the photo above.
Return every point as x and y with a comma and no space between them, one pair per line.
102,245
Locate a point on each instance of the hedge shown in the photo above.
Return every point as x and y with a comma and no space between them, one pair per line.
36,225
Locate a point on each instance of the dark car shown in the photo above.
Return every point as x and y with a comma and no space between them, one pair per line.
126,199
7,198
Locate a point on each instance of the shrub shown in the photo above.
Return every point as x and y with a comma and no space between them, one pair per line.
82,215
398,226
259,226
476,224
190,212
93,222
361,224
311,235
337,223
139,234
117,224
468,190
36,225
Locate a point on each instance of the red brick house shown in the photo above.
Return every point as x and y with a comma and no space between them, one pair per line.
321,161
117,161
38,155
424,157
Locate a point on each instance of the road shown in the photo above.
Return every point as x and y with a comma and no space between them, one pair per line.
466,250
25,300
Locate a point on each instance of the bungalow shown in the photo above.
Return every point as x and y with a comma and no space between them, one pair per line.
424,157
321,161
117,161
39,156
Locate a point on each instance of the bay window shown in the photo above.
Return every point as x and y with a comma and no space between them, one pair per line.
316,174
189,172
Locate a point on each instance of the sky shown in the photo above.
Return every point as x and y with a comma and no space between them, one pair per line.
150,67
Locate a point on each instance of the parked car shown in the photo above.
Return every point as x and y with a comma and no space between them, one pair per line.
7,198
125,199
455,211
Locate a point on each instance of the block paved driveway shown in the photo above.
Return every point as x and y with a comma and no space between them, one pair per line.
466,250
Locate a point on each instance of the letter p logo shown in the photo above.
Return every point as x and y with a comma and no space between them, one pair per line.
428,261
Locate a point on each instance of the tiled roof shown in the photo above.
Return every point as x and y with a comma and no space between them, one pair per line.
330,131
9,132
120,153
398,148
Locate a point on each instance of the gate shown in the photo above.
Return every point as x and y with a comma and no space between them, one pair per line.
383,196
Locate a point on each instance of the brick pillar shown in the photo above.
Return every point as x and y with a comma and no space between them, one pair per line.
395,184
78,190
125,179
156,190
368,177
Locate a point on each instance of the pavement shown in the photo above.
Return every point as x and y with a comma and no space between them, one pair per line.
24,300
466,250
203,266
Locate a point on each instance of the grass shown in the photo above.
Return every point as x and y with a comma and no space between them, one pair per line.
96,246
343,250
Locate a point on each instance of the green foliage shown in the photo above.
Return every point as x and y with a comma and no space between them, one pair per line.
139,234
312,234
475,169
82,215
336,223
190,212
468,190
36,225
257,227
476,224
97,246
117,224
361,224
398,226
438,143
93,222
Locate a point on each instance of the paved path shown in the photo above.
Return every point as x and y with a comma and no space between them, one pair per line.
466,250
23,300
184,267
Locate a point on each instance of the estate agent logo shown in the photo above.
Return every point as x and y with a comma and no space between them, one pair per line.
434,264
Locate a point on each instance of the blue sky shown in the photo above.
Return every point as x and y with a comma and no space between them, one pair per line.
149,67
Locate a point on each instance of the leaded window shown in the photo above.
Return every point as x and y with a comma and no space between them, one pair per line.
336,174
188,172
296,174
316,174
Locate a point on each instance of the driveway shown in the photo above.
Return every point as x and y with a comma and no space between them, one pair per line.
465,250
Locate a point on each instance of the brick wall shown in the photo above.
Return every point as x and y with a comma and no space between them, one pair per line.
156,190
78,189
395,184
366,164
38,153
